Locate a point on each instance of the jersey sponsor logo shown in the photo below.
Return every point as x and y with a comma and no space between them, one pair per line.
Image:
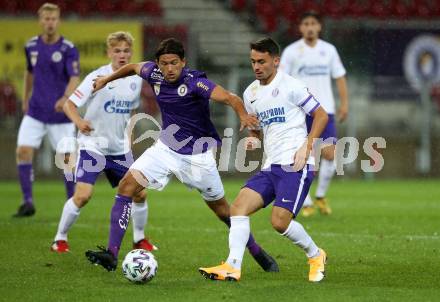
202,86
182,90
34,56
118,106
272,115
57,57
313,70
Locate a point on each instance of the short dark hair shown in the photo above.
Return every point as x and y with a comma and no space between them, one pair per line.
170,46
310,13
266,44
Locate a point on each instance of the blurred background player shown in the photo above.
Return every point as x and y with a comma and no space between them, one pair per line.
103,142
184,146
281,103
52,74
315,62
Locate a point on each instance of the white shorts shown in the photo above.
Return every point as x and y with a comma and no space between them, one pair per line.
158,163
61,136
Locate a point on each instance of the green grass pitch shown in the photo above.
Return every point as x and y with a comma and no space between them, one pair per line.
383,242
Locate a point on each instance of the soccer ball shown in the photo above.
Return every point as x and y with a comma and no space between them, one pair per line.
139,266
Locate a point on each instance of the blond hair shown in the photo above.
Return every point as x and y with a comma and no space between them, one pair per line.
119,36
48,7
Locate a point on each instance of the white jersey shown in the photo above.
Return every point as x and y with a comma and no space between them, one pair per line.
108,110
281,107
315,66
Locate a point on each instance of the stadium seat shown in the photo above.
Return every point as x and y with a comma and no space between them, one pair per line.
239,5
10,7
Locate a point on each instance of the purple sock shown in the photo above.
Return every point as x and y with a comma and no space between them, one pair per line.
252,245
119,219
69,184
26,175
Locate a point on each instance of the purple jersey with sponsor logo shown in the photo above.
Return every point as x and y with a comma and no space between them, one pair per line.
51,65
187,127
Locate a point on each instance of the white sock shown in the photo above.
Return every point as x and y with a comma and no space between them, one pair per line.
68,218
238,237
298,235
308,201
139,216
326,171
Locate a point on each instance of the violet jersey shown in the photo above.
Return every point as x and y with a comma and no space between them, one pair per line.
187,127
51,65
108,110
281,108
316,66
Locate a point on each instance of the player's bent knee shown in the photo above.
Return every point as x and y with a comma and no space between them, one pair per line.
24,154
238,209
140,197
81,199
279,224
128,186
281,219
328,153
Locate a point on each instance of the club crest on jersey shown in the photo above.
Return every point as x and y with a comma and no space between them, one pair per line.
133,86
57,56
182,90
156,89
275,92
34,56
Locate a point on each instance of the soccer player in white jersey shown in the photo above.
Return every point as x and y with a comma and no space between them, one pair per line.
52,73
280,102
104,145
316,62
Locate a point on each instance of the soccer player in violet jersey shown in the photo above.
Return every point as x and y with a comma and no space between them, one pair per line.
281,104
103,143
51,76
317,62
184,146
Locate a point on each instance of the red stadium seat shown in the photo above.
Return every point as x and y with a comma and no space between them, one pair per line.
378,9
334,8
357,8
10,7
238,5
287,10
152,7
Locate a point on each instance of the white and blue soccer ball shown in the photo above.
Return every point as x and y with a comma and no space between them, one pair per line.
139,266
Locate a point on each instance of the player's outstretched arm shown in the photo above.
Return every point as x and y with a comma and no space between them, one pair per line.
341,84
71,85
219,94
71,111
124,71
28,82
320,119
